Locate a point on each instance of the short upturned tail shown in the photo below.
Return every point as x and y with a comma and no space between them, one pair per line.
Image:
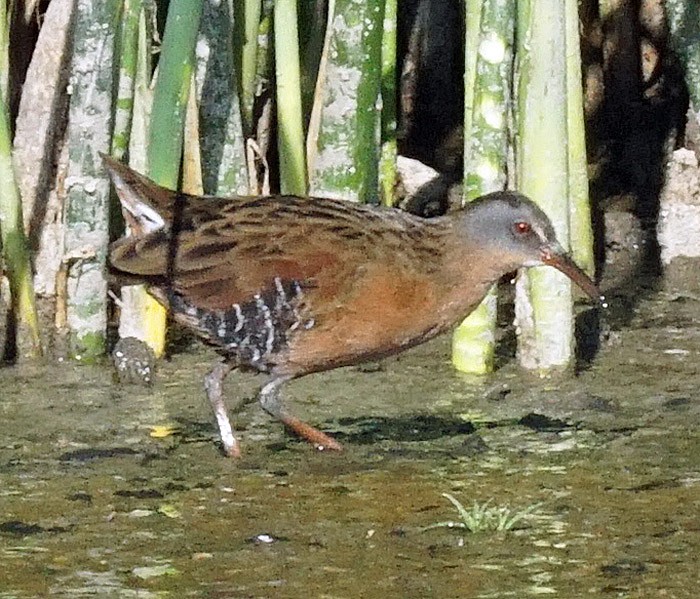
146,206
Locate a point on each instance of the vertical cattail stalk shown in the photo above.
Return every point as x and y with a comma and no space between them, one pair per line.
87,190
260,132
247,16
13,241
544,307
220,119
128,58
14,244
191,150
471,48
387,163
143,95
290,122
580,217
172,90
487,103
343,141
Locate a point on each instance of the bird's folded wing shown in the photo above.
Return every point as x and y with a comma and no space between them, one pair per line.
219,271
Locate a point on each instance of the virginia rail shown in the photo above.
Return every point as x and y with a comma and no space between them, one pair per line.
289,286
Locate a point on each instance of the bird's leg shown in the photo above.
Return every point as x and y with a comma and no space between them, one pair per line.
269,398
213,383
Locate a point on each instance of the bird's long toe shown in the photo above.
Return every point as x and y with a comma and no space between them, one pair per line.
317,438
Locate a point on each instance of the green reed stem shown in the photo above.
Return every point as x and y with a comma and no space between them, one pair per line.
387,165
580,218
544,306
86,214
14,243
487,103
290,122
344,136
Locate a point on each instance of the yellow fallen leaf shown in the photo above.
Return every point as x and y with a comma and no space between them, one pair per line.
163,430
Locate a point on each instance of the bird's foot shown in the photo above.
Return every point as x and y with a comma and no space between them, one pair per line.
233,451
231,447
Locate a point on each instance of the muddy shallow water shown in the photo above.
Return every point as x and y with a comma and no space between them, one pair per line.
94,502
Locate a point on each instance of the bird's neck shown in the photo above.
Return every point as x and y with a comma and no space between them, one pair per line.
466,273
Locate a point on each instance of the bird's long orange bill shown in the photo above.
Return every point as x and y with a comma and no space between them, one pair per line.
565,264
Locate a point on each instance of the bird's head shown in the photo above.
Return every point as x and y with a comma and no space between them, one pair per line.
514,229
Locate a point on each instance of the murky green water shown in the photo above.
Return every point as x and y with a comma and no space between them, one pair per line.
93,505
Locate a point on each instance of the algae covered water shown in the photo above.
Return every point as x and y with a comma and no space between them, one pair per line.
120,492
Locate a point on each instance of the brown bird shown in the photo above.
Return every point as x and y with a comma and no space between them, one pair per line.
289,286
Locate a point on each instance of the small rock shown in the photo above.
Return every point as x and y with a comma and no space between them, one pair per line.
134,361
678,226
425,191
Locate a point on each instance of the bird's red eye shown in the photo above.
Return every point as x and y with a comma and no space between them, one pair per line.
523,228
